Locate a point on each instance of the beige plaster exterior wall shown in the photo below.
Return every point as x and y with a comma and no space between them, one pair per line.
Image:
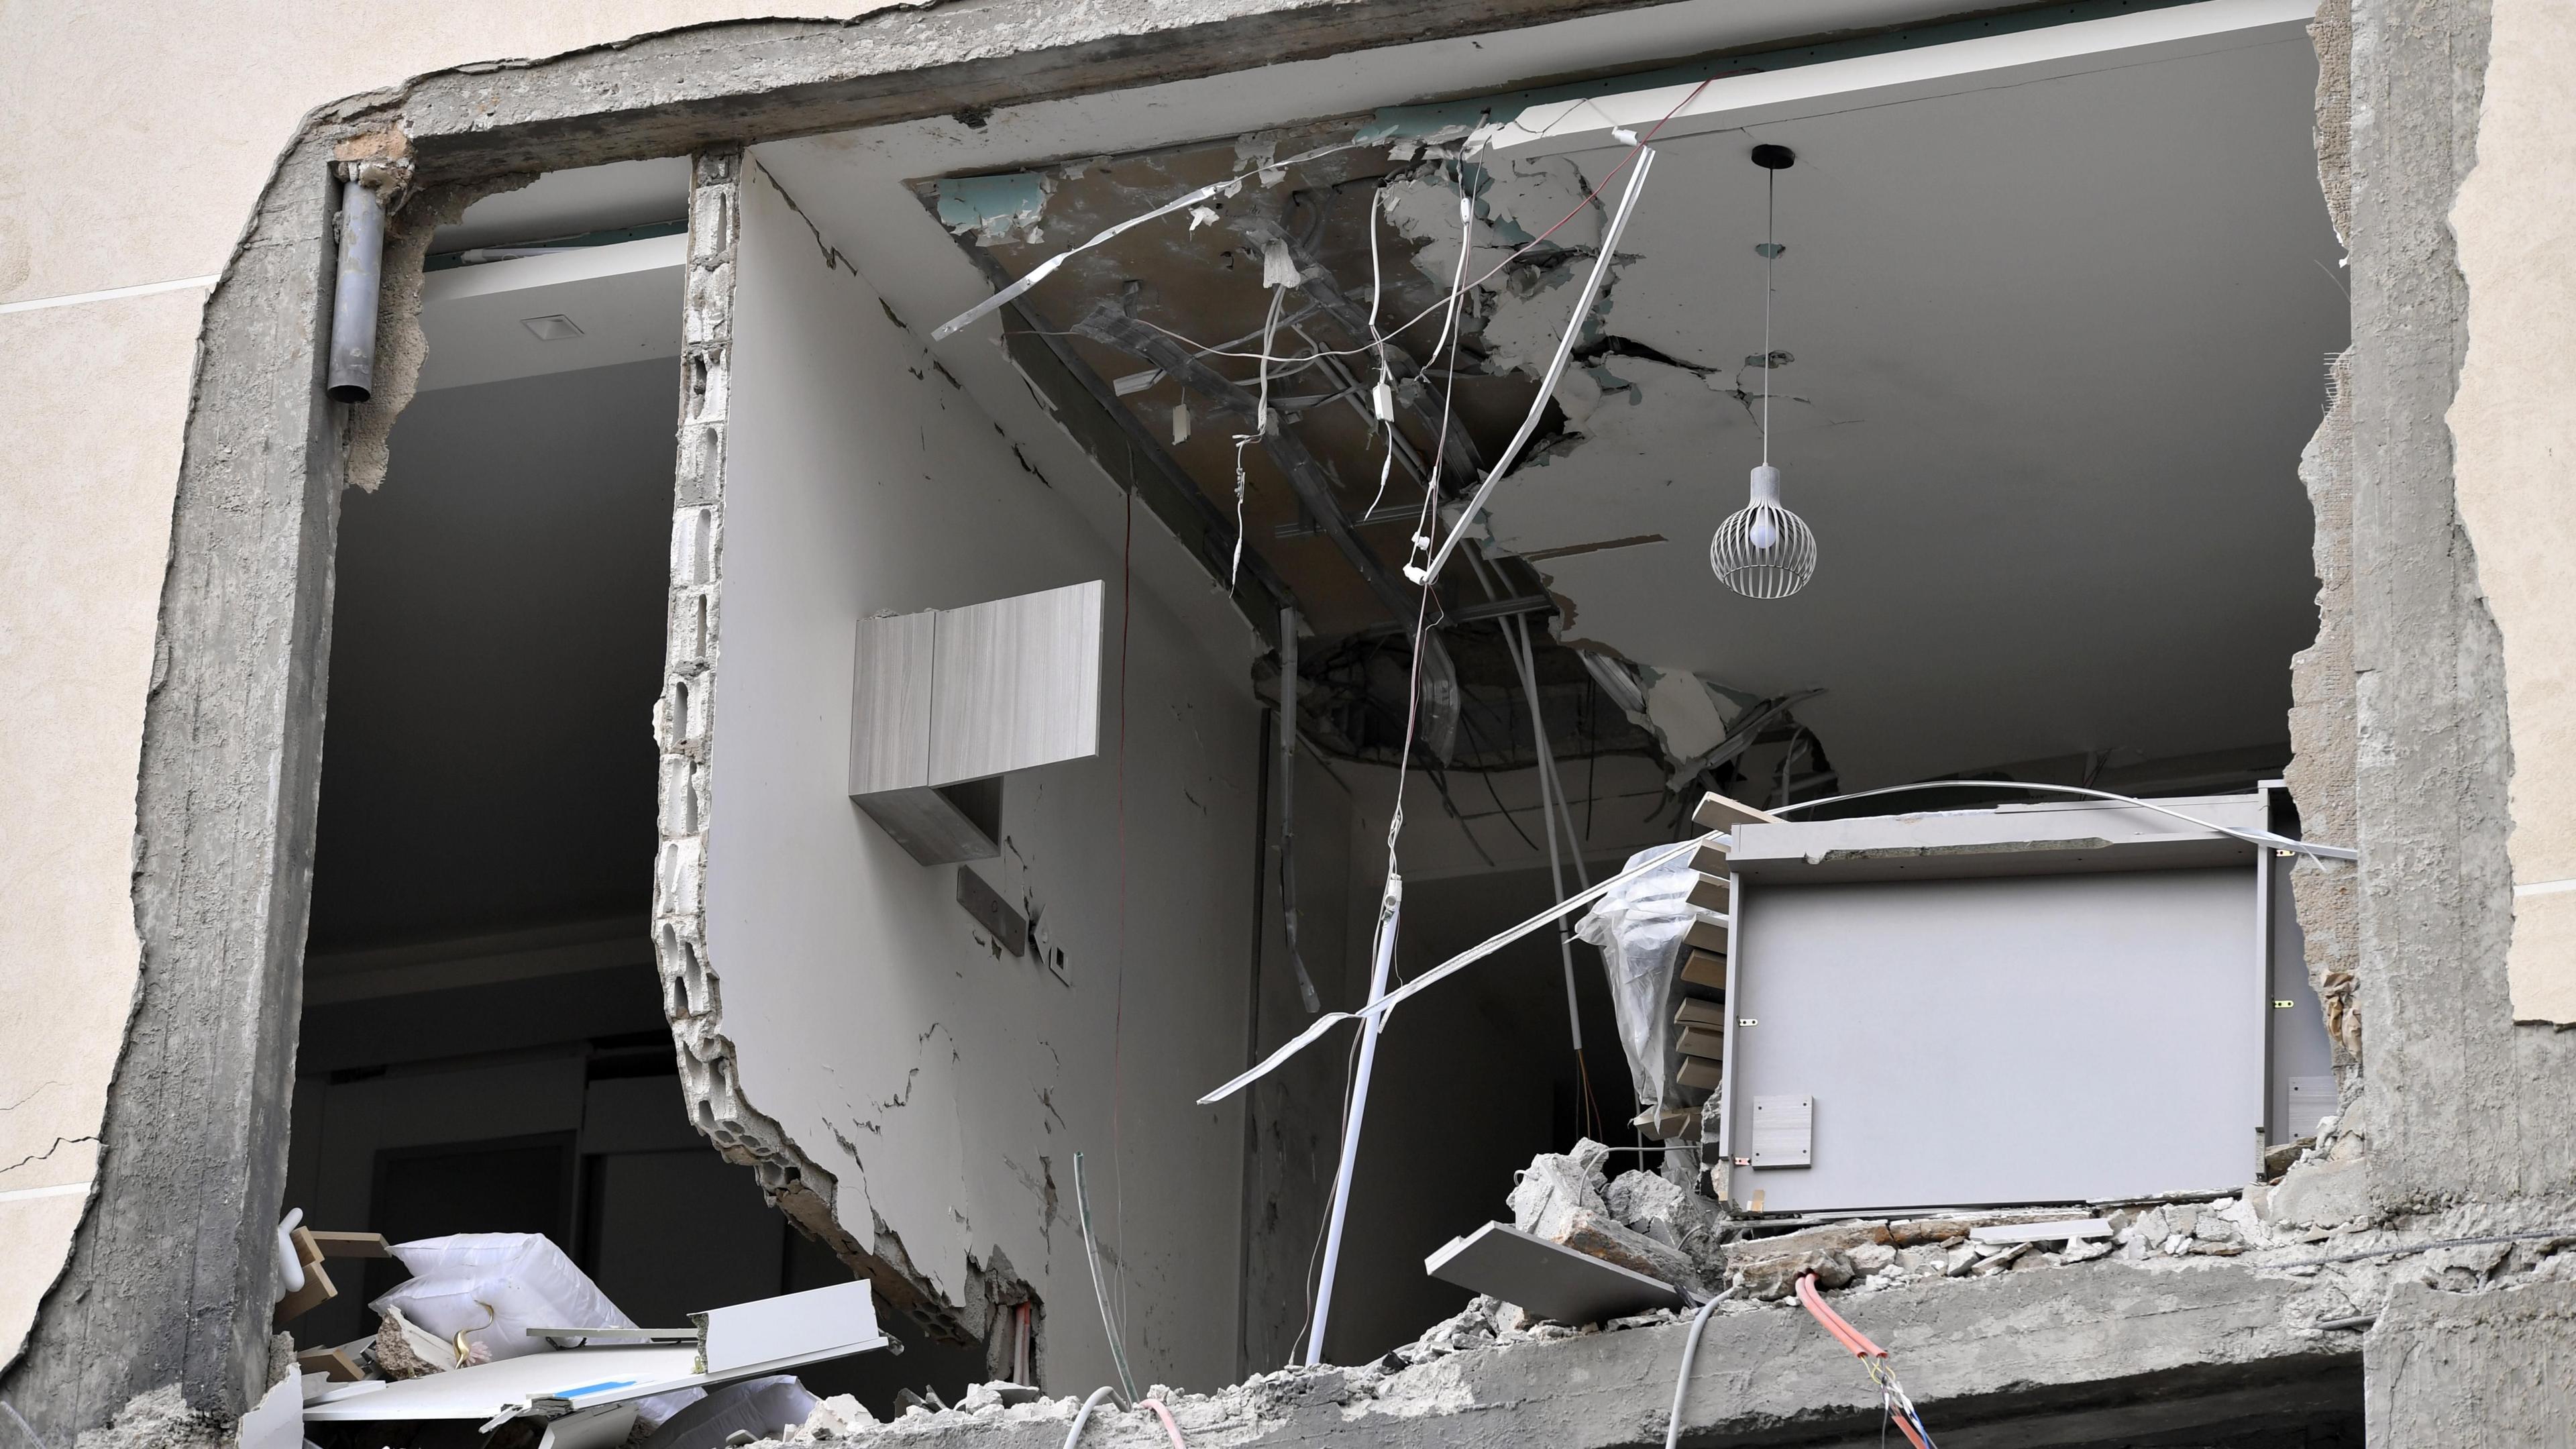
134,141
2514,428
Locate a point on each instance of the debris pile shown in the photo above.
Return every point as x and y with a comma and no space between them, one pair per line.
1641,1222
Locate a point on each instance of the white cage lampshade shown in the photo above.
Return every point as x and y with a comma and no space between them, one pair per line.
1762,550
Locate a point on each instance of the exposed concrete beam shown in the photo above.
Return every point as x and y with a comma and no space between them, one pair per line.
2110,1356
169,1276
766,80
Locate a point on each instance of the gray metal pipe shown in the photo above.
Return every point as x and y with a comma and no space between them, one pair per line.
353,299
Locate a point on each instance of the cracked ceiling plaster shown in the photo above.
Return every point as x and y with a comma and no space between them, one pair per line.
2055,346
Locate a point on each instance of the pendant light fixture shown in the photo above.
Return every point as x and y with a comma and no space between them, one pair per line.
1762,550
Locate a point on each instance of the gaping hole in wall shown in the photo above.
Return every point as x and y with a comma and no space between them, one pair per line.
2042,344
995,669
485,1046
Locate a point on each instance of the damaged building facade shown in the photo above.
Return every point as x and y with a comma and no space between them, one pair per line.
1141,477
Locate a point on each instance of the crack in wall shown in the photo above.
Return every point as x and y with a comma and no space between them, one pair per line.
58,1145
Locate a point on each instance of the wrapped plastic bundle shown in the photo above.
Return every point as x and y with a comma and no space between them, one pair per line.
1639,926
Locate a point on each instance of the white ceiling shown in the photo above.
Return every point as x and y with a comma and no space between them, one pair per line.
569,203
2059,345
853,185
2061,342
624,298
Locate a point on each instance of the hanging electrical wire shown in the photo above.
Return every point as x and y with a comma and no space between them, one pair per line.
1045,269
1390,902
1681,1381
1382,397
1260,429
1636,147
1099,1289
1456,964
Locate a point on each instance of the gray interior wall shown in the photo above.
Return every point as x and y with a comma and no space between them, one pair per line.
1472,1080
1295,1111
497,643
944,1085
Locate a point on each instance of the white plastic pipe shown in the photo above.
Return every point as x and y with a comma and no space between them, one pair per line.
1555,369
1389,910
1516,633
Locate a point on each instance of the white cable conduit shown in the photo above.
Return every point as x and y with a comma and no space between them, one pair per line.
1045,269
1555,369
1464,959
1516,633
1074,1435
2251,837
1446,969
1390,910
1681,1382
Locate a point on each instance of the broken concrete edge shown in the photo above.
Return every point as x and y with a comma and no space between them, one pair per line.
2145,1339
683,729
2323,715
2187,1323
402,345
232,733
659,93
2175,1346
174,1253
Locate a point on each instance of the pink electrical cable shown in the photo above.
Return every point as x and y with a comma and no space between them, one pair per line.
1166,1416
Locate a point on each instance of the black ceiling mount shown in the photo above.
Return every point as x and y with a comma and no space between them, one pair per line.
1774,158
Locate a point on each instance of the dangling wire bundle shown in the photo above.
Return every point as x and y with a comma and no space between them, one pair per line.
1892,1397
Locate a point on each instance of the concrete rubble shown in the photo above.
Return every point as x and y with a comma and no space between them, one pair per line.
2205,1314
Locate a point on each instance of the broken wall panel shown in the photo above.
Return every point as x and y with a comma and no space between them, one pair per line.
906,1086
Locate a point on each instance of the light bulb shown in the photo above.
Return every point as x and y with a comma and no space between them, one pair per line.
1762,550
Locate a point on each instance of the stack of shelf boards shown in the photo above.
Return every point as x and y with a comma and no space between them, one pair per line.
1701,1013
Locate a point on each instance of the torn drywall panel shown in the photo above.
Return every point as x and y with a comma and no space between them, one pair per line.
928,1079
1688,715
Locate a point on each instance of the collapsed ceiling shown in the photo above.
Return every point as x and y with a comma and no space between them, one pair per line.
2046,351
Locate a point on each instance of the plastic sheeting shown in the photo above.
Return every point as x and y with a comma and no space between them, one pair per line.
493,1287
1639,925
763,1408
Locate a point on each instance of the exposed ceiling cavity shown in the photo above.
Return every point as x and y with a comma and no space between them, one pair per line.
2048,340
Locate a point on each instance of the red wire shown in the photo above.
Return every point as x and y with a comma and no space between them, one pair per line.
1850,1338
1834,1323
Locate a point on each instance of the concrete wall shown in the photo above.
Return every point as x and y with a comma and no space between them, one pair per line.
2439,478
939,1086
165,171
2515,220
97,397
